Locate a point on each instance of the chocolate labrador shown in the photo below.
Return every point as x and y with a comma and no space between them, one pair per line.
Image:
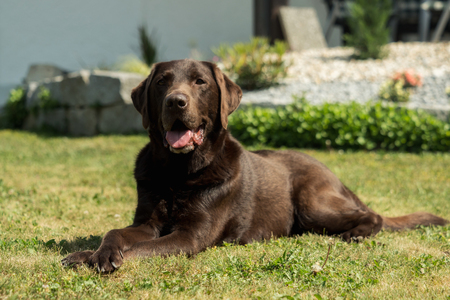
198,187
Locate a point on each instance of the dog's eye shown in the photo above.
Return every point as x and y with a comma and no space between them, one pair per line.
200,81
161,82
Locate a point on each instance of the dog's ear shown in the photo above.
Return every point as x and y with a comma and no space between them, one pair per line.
230,94
139,96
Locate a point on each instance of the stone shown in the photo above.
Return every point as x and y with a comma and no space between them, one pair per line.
31,122
301,28
121,119
97,100
68,91
40,72
32,94
111,88
82,121
87,89
72,89
55,119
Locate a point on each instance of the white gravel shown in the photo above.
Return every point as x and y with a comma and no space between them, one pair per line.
332,75
336,64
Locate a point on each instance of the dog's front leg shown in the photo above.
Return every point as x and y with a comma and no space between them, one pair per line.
177,242
110,254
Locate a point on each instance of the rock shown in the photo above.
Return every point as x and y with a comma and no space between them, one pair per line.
94,101
67,91
55,119
82,121
31,122
111,88
40,72
32,92
71,90
88,89
120,119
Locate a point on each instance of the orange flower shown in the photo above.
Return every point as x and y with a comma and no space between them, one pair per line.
397,76
409,77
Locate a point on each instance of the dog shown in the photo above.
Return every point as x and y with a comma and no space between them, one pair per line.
198,187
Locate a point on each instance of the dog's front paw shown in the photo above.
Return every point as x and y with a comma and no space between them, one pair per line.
106,259
77,258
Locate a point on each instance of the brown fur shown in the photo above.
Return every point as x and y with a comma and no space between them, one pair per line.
219,191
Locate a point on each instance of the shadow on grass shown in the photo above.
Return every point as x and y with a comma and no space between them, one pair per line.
77,244
65,247
49,132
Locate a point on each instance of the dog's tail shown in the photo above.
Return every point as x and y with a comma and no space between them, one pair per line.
413,220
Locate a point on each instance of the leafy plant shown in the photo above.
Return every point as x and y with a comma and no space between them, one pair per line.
394,91
447,91
410,78
15,111
368,27
147,46
254,65
399,88
45,101
342,126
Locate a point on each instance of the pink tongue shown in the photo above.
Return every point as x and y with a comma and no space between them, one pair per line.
178,139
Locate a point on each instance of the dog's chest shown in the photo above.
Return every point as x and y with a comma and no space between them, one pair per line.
176,204
177,210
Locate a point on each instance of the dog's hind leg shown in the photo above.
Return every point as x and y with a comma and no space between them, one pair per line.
369,224
337,213
349,224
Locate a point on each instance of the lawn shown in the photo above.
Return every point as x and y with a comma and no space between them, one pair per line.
59,195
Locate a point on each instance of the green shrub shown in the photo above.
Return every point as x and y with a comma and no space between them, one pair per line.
394,91
400,86
254,65
45,101
147,46
368,27
14,111
341,126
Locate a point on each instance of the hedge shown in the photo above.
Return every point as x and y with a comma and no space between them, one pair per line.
356,126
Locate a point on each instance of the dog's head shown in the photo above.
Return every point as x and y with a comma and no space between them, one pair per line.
183,102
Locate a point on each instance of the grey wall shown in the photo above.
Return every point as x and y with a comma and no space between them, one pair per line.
89,33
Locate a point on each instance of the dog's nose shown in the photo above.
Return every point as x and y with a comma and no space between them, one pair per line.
176,101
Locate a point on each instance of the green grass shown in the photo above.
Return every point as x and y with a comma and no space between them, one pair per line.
59,195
